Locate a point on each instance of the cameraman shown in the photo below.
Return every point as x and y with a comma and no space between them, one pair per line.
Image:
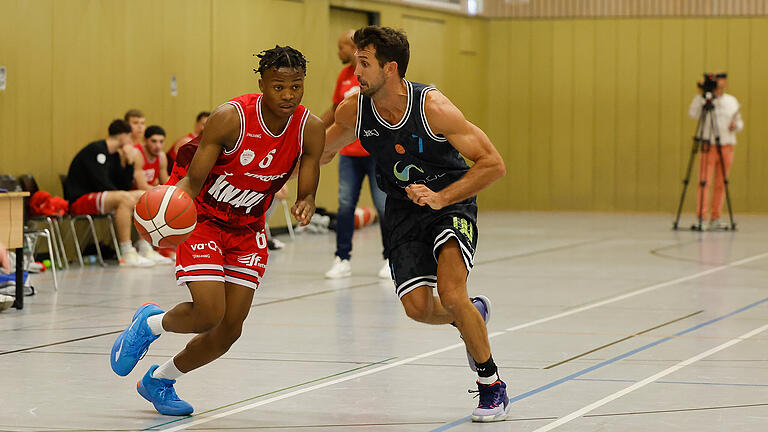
728,122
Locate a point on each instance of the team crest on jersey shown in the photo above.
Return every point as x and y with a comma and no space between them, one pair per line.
246,157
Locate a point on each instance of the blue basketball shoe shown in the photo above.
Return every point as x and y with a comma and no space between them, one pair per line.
483,305
494,404
160,392
134,341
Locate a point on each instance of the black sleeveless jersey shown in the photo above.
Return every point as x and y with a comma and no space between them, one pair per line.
407,152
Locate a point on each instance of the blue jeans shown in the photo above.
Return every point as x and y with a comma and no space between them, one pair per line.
352,171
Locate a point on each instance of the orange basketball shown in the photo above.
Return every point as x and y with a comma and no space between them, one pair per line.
363,217
165,216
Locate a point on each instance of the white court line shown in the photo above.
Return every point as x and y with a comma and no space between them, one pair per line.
578,413
461,344
640,291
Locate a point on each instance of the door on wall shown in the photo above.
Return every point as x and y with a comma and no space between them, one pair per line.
341,20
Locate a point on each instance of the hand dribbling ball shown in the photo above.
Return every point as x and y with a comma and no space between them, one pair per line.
165,216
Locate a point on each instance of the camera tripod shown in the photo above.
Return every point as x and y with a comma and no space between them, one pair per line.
707,116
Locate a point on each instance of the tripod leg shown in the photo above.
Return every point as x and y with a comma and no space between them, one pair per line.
704,175
686,180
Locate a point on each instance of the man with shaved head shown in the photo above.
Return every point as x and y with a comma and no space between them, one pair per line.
354,165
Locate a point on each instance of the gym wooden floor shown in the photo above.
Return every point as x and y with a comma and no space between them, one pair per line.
600,322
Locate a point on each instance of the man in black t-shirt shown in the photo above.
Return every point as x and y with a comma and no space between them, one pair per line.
99,180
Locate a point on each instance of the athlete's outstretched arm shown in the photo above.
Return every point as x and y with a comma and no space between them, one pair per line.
447,120
221,133
342,131
309,169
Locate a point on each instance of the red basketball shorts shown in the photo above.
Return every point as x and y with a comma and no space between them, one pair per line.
223,254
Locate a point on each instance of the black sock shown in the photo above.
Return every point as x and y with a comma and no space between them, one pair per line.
487,369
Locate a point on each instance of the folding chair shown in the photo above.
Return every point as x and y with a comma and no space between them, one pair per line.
288,221
29,184
90,219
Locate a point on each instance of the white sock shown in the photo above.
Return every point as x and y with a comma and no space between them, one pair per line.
487,380
125,246
155,323
167,370
143,246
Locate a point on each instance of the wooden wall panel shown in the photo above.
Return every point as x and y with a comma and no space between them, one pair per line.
540,155
648,109
751,154
561,145
674,93
627,109
25,109
583,106
516,110
738,61
501,113
604,149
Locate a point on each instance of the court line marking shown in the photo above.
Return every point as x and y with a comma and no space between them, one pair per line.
625,338
269,393
673,382
597,404
641,291
610,361
677,410
461,344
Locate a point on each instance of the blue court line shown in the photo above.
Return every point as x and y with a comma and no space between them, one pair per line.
608,362
673,382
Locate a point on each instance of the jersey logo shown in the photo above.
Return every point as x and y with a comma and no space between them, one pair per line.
368,133
250,135
463,226
221,190
251,260
246,157
405,174
421,144
266,177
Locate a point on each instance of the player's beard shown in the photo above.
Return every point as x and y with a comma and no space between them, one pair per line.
372,88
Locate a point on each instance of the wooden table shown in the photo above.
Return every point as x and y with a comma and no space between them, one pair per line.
12,235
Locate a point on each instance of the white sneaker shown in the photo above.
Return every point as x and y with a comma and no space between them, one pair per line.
341,269
155,257
717,225
6,301
131,258
385,272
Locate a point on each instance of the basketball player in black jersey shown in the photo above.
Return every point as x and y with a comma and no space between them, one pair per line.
417,138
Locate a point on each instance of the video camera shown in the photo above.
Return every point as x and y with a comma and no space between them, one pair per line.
710,82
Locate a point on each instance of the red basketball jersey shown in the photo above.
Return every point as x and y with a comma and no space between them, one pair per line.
242,183
151,169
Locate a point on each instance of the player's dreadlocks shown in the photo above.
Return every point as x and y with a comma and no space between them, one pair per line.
281,56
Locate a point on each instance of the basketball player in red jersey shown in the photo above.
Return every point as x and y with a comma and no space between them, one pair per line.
152,173
155,165
250,147
200,120
136,119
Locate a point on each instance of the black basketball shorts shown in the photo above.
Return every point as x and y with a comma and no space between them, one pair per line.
417,236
